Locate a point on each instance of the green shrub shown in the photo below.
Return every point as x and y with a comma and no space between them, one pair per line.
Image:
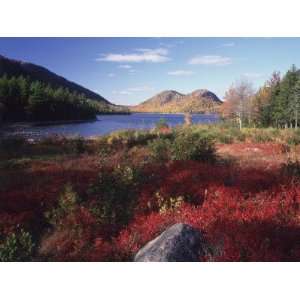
129,138
160,149
124,137
185,144
142,137
115,193
226,139
193,146
67,203
233,134
261,137
17,247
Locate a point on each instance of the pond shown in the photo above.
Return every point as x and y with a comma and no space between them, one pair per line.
105,124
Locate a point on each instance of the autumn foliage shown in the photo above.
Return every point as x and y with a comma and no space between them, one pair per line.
86,207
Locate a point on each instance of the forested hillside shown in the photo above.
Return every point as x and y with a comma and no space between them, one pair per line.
32,93
22,100
15,68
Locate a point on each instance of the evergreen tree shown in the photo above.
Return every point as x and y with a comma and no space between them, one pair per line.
4,89
36,101
24,87
296,103
282,108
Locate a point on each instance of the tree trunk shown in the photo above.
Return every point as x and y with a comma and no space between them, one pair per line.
187,119
240,123
296,119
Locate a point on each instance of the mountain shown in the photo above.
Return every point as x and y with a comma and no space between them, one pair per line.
160,100
199,101
12,67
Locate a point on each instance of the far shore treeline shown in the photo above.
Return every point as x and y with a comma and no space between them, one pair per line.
22,99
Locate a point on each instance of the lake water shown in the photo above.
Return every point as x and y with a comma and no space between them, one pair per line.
109,123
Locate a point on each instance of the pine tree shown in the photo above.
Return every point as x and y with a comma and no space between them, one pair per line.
296,103
24,87
4,89
285,97
36,100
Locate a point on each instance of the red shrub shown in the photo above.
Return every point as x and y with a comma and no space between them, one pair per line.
192,180
142,230
245,214
101,251
72,239
264,227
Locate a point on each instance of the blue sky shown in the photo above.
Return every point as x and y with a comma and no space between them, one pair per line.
130,70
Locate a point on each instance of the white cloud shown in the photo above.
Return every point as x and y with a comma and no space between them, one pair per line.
132,90
231,44
111,74
140,55
125,66
181,73
215,60
161,51
252,75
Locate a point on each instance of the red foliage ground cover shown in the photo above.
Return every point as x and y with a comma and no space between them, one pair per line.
246,214
258,155
25,203
262,226
268,148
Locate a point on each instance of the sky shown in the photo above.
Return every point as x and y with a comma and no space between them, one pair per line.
130,70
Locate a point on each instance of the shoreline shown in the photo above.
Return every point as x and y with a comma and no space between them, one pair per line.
172,113
27,124
49,123
12,124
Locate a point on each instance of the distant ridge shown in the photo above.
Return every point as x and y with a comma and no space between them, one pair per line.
12,67
170,101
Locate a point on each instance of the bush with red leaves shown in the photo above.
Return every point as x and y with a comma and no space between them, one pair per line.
261,227
246,214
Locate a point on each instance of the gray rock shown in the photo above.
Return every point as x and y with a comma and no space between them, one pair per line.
179,242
